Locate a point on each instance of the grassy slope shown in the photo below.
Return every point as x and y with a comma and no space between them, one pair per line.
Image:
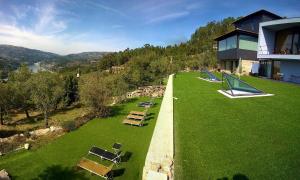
58,157
218,137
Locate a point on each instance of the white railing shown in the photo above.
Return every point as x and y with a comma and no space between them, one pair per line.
263,50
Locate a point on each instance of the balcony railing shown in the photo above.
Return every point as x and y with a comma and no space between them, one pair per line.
262,50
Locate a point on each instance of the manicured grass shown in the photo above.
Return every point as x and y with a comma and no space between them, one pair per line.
57,159
217,137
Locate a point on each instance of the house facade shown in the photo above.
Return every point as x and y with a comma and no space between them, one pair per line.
279,49
237,50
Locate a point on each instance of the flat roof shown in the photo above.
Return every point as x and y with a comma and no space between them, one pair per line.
294,20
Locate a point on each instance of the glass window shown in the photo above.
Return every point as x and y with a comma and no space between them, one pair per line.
222,45
231,42
248,43
296,43
284,42
228,43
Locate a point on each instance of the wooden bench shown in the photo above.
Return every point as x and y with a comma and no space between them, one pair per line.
135,117
133,122
96,168
138,113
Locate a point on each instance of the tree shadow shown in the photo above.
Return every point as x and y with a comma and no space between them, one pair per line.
237,176
240,176
126,156
117,110
118,172
57,172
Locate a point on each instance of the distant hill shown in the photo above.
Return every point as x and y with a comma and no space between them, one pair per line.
25,55
86,55
30,56
12,56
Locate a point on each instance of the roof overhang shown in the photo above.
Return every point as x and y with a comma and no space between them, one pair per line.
235,32
280,24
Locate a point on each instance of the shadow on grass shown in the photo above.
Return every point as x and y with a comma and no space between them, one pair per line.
117,110
56,172
126,156
118,172
237,176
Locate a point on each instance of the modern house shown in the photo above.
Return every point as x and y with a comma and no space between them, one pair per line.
279,49
238,48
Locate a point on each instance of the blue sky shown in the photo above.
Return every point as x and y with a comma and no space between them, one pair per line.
72,26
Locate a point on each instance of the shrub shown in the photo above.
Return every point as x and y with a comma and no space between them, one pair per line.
69,126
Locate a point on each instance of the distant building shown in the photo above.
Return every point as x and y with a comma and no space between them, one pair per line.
279,49
238,49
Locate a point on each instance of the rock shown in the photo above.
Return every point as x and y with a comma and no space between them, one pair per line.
26,146
55,128
40,132
4,175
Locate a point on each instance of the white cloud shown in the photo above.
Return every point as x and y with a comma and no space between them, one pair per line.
48,23
60,44
166,17
105,7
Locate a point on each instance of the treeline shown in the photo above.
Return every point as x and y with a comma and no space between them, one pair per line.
149,64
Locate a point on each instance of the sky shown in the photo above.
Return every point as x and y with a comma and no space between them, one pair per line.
73,26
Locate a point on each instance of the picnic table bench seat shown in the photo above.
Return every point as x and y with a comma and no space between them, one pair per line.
132,122
135,117
138,113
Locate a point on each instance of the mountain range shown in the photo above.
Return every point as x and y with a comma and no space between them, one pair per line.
29,56
11,57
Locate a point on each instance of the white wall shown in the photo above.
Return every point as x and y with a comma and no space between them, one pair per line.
266,41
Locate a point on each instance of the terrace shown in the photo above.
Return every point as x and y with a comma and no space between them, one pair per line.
221,138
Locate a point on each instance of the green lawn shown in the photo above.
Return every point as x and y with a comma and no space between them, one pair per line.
253,138
57,159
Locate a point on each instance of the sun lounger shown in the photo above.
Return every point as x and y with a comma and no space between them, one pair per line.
135,117
138,113
146,104
96,168
133,122
104,154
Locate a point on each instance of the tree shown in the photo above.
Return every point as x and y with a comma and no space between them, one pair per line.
70,89
18,81
46,91
96,91
5,100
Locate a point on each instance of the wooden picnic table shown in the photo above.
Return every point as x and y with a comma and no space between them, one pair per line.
132,122
139,113
135,117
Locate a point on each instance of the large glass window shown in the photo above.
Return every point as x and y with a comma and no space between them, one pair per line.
287,41
248,42
228,43
296,43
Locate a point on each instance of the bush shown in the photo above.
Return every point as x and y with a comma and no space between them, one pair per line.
69,126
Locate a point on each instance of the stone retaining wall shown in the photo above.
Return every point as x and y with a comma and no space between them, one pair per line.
159,161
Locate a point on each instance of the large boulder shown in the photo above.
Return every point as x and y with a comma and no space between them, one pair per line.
40,132
4,175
